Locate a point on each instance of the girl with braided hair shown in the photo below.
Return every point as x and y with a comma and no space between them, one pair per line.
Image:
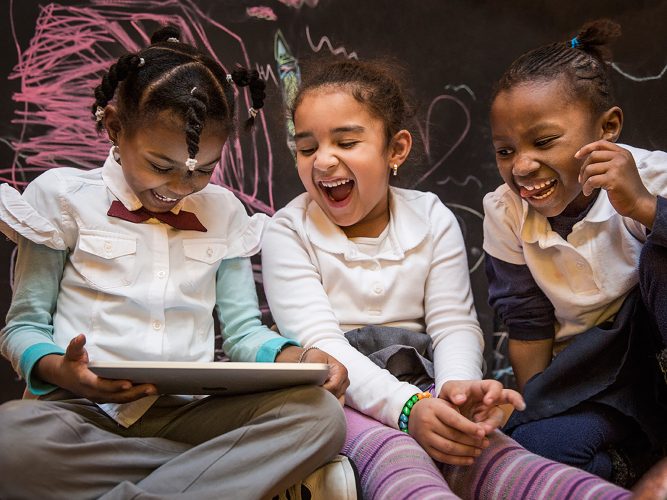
128,262
575,256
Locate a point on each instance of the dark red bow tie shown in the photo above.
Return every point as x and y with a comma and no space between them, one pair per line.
182,220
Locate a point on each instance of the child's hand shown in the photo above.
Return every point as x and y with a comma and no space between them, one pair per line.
71,373
478,400
445,434
612,168
337,381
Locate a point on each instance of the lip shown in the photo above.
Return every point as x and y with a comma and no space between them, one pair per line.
323,184
538,189
163,201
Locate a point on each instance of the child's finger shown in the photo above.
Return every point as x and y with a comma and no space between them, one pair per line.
451,448
455,392
451,418
600,145
510,396
75,349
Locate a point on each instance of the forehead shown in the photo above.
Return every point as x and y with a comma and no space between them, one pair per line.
327,106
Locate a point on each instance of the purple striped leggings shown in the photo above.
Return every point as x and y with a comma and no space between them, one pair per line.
393,466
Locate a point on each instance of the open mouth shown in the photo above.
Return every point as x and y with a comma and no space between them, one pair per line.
538,191
164,199
337,190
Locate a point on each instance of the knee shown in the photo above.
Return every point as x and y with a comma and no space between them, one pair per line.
326,414
20,443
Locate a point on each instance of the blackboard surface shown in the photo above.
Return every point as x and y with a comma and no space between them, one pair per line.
453,51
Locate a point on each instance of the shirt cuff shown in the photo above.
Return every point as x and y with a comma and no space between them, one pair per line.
271,348
532,333
28,361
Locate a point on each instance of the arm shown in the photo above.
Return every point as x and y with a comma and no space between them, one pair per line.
526,312
302,311
245,338
27,340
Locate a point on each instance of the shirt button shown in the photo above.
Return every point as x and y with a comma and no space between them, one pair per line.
209,251
378,288
157,325
161,274
580,265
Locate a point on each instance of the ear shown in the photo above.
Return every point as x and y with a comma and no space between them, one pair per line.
611,123
399,147
112,123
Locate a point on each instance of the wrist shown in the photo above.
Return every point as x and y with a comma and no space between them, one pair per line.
404,417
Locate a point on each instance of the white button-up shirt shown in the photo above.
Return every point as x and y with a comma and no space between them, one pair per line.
587,276
319,285
138,291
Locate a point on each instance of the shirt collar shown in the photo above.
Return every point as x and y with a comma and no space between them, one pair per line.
112,175
536,227
406,230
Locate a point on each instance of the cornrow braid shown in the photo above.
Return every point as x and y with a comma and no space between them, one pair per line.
170,75
105,91
582,60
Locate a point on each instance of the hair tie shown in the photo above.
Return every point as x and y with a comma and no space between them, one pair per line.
142,61
192,92
99,114
191,163
230,78
173,39
252,112
574,43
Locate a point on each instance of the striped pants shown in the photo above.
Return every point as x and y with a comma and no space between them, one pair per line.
393,466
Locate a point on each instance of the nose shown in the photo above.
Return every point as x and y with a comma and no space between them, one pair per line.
525,165
324,159
182,185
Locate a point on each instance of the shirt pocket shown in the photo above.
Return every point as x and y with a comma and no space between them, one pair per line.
106,260
202,258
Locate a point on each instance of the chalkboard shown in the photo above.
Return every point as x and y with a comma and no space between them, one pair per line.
453,50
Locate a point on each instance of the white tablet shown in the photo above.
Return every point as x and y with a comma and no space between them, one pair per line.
178,377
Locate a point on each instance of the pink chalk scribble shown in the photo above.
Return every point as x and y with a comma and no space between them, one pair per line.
324,41
71,47
262,12
297,4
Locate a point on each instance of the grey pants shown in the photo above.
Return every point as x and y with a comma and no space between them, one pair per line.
250,446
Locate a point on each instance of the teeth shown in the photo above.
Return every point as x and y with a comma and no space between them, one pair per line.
540,186
544,195
164,198
331,184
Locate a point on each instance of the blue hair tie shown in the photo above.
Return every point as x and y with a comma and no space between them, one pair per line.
574,43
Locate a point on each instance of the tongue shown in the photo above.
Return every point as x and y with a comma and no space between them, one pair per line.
525,193
341,192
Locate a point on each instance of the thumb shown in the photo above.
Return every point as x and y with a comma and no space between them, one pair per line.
454,392
75,349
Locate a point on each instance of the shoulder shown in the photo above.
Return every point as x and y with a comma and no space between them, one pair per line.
423,203
294,214
502,203
63,180
652,167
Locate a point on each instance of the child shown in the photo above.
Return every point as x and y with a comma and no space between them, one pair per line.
127,262
357,268
564,237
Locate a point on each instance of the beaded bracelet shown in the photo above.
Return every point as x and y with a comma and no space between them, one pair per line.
407,408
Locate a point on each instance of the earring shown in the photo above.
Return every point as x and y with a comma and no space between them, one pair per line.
116,153
395,169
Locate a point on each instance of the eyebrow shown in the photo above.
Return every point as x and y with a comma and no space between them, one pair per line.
172,162
337,130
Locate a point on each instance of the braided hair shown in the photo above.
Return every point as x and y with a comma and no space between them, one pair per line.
170,75
582,61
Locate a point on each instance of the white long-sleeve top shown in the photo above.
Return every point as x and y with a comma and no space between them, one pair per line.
320,285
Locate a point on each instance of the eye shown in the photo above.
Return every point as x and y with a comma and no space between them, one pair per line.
348,144
544,141
160,170
305,151
503,152
205,172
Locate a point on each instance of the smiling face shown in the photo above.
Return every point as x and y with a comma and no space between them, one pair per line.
344,160
537,128
153,159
